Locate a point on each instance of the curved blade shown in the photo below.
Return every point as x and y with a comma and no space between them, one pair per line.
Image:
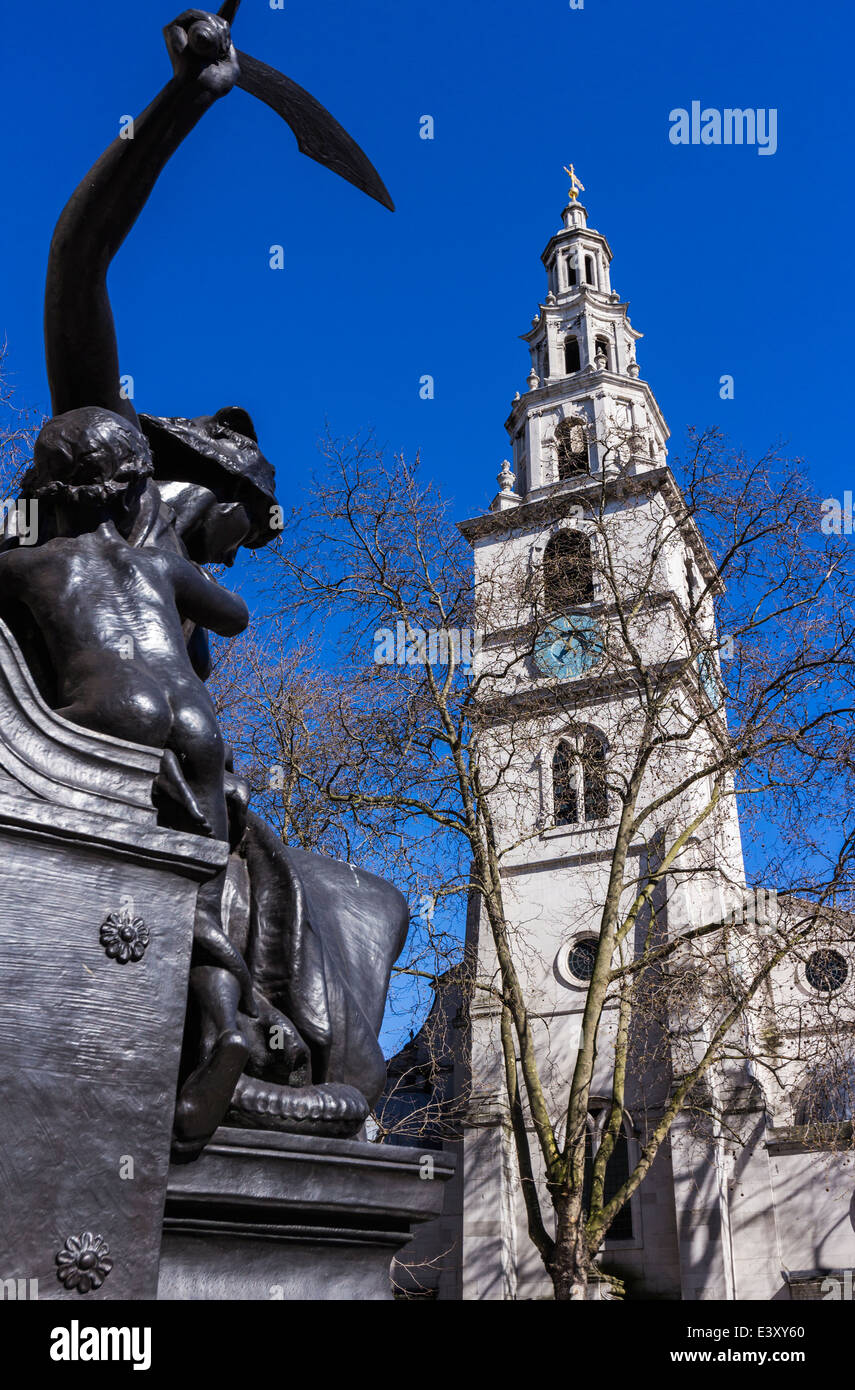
229,9
318,134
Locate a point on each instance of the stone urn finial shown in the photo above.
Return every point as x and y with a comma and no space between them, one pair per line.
505,477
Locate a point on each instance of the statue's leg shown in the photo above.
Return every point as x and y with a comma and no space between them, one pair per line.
197,742
206,1094
173,785
212,947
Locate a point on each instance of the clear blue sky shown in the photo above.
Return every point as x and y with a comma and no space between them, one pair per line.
733,262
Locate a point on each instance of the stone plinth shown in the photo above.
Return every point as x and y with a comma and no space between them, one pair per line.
283,1216
96,920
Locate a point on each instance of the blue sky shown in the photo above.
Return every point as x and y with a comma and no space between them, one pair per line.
733,262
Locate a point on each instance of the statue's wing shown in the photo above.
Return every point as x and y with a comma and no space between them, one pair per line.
318,134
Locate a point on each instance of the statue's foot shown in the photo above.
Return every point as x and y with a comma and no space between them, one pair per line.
277,1051
171,782
331,1109
204,1098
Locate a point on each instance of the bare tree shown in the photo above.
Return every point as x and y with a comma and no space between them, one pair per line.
721,658
18,429
308,738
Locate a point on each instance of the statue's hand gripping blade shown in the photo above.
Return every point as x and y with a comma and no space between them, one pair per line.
319,134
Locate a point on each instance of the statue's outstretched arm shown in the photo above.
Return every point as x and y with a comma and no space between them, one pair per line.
80,337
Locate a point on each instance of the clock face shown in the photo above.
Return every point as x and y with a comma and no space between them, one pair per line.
569,645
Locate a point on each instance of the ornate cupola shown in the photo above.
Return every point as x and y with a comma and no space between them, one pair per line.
586,409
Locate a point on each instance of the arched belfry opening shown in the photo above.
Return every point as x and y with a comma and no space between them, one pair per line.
594,793
572,356
579,791
565,793
571,443
603,353
568,570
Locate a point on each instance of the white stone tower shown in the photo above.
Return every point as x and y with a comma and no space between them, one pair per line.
583,363
589,493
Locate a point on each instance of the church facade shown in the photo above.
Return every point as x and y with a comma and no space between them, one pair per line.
752,1196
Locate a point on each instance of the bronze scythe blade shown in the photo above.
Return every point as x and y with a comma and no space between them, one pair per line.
319,134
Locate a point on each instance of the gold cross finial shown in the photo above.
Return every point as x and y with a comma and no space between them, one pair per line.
576,185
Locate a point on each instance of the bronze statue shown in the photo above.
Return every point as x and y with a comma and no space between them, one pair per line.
121,663
290,968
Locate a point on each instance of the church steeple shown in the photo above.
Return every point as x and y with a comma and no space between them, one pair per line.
586,408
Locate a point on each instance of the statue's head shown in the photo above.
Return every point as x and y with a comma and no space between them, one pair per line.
221,454
89,463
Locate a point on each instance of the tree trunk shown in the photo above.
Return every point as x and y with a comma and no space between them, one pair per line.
570,1265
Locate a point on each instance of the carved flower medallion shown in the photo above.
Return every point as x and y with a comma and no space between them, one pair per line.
84,1262
124,936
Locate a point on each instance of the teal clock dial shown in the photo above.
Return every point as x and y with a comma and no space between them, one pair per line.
569,645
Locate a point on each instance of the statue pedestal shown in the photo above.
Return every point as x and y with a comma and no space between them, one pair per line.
292,1217
89,1042
96,922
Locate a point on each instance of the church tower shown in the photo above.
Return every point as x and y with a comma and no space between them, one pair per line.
584,369
588,569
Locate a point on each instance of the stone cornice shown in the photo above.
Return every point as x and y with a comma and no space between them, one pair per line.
585,383
582,297
562,498
571,234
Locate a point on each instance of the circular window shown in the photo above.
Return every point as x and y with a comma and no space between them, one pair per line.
581,957
826,971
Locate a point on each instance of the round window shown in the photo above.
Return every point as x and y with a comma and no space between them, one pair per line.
826,971
581,957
